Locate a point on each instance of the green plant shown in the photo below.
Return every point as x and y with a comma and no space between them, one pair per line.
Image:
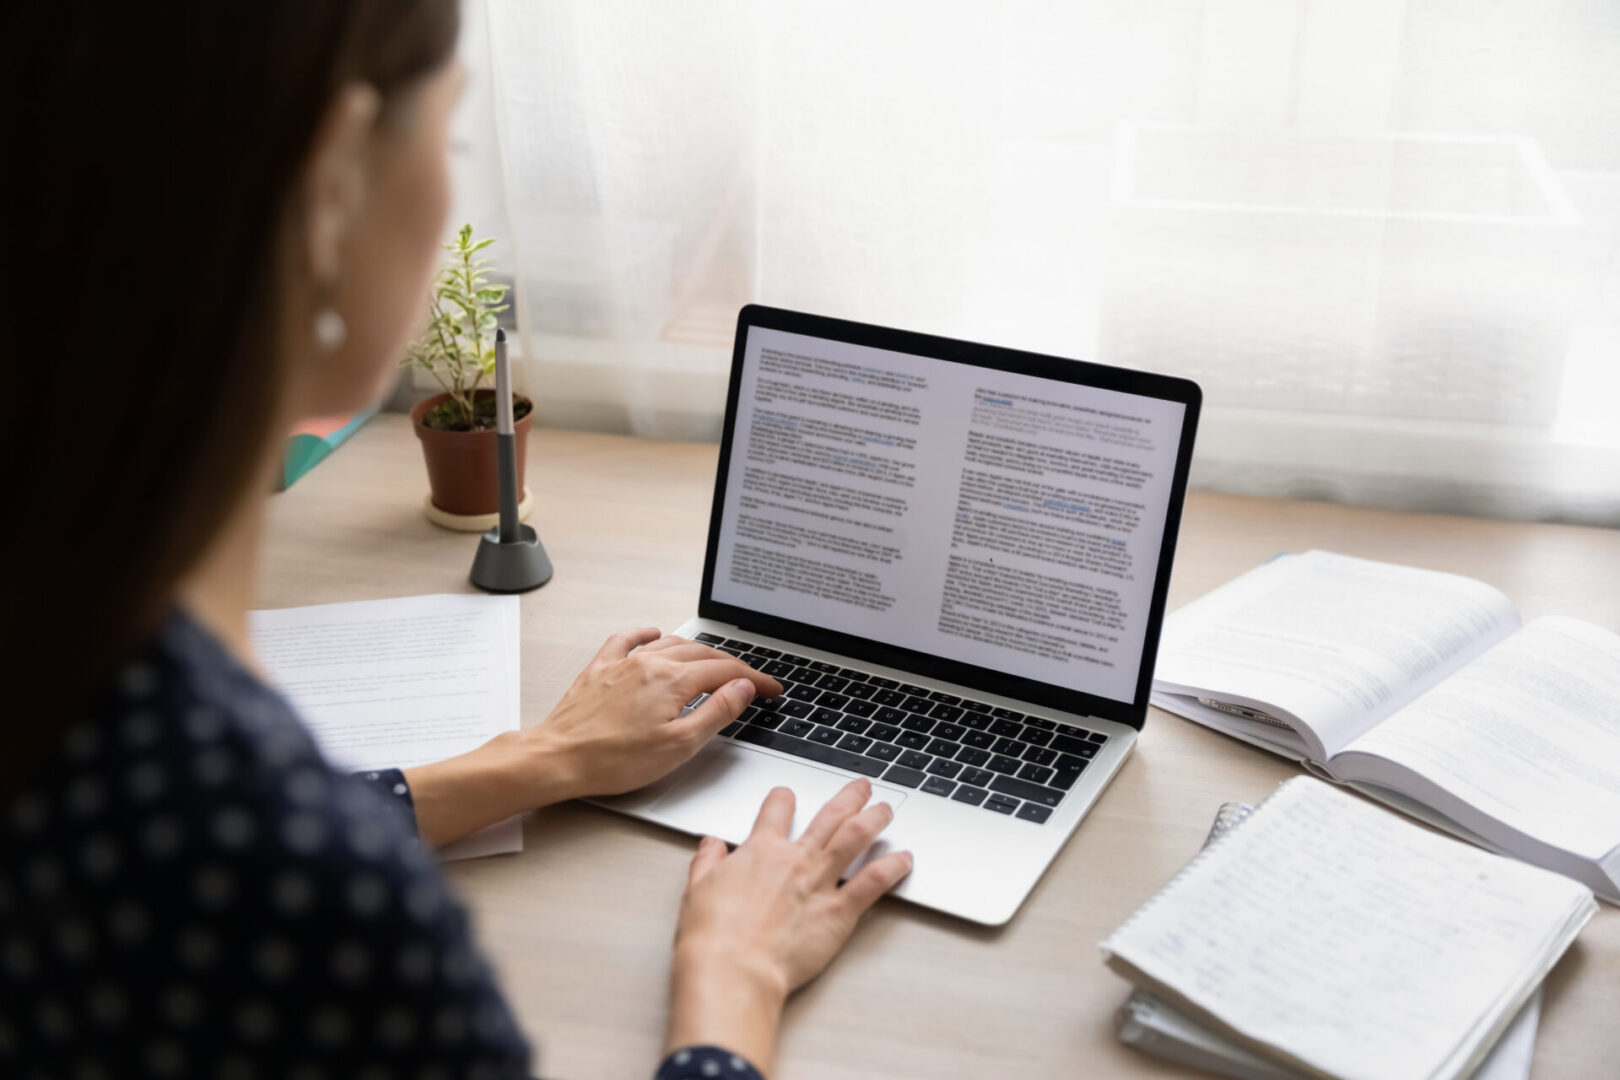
458,346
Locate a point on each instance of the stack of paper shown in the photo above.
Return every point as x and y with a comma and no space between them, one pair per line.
400,683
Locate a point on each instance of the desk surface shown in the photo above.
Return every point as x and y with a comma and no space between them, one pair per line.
579,924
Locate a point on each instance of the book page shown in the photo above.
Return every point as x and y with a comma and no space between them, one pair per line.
1528,735
997,519
1336,642
399,683
1350,941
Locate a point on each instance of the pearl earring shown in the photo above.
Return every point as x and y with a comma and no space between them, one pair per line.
330,329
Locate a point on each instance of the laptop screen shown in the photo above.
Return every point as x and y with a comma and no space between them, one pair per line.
993,520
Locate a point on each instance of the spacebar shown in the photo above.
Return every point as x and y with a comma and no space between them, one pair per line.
1035,793
827,755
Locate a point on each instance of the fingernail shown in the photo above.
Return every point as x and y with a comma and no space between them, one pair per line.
743,686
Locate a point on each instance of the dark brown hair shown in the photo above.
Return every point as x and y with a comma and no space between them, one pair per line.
152,153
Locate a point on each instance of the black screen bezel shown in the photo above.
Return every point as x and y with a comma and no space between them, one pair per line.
1080,372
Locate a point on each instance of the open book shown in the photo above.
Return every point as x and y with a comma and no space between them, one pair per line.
1327,936
1423,690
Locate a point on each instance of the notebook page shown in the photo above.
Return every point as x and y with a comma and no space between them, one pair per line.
1528,734
1336,641
1357,943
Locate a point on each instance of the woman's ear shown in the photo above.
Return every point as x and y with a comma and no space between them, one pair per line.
334,181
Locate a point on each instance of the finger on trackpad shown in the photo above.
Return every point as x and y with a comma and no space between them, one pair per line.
721,793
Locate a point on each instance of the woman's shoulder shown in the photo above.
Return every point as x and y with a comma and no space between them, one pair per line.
189,865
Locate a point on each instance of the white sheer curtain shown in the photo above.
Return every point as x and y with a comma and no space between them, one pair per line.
1381,233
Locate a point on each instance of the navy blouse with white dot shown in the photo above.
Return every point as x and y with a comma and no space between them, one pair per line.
188,889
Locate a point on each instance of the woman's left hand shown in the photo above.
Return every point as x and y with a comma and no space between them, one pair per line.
617,728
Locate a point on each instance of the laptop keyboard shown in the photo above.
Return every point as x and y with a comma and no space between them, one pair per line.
996,759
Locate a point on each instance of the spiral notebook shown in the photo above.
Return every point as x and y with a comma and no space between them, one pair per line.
1147,1024
1331,937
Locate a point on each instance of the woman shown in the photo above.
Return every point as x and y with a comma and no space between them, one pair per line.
248,197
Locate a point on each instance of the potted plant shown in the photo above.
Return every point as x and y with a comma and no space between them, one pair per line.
457,426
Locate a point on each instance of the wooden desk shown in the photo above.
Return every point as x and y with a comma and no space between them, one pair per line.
579,924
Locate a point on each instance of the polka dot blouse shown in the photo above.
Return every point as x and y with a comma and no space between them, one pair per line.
187,889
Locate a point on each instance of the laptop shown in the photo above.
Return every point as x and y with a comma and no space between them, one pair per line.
954,557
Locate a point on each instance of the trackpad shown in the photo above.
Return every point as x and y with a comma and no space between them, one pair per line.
720,792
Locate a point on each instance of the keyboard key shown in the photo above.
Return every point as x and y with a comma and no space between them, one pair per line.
860,708
1035,774
822,665
949,699
916,740
833,700
804,674
1097,737
797,708
977,777
888,714
826,735
826,716
711,639
888,697
812,751
883,751
1036,736
1068,769
832,682
976,707
804,727
1037,722
748,713
1004,764
1006,727
1006,714
770,704
973,796
1034,812
878,681
938,785
975,720
945,712
914,691
755,660
883,732
913,722
855,744
1001,804
853,723
731,729
914,759
770,653
860,691
1068,744
1040,755
796,661
852,675
904,776
780,669
1010,747
1023,789
728,649
982,739
916,705
803,692
972,755
944,747
941,767
768,719
953,732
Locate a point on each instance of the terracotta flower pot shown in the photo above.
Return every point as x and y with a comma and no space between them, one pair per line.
461,467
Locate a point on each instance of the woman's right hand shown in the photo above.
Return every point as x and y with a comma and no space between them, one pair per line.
761,921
